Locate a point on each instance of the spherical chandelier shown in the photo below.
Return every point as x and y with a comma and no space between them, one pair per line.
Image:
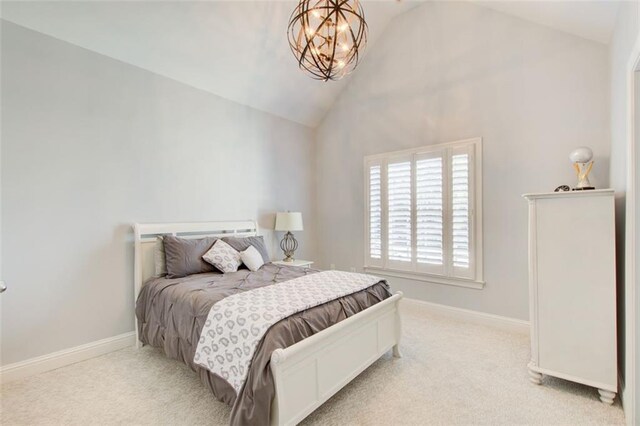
328,37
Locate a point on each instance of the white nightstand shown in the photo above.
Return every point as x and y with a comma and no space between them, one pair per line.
297,262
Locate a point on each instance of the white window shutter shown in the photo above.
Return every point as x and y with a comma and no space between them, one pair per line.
424,210
430,209
375,213
462,254
399,214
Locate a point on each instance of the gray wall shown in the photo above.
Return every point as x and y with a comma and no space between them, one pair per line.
625,36
91,145
448,71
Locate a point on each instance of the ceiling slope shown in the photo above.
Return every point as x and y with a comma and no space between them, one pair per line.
238,49
593,20
235,49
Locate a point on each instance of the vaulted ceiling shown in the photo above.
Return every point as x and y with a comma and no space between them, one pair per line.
593,20
238,49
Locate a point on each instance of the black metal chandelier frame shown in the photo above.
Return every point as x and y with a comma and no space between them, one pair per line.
315,45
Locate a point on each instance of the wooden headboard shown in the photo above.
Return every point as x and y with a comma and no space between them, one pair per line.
145,237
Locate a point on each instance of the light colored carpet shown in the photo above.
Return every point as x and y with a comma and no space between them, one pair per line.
452,372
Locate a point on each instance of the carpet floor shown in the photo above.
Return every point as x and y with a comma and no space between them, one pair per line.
452,373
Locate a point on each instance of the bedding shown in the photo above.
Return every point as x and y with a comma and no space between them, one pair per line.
241,244
172,313
236,324
252,258
159,258
184,256
223,257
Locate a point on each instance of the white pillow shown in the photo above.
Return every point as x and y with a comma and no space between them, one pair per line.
223,256
159,258
252,258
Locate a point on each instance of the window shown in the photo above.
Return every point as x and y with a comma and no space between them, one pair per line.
423,214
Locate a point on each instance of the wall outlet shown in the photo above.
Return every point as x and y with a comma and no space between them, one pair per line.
332,266
352,269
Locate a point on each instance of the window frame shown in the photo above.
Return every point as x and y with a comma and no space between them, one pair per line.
473,277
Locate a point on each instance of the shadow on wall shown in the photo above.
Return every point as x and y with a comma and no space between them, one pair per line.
266,222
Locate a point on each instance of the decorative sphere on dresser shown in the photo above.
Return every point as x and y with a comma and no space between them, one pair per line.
582,163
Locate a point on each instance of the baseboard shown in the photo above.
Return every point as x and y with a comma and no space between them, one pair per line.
41,364
505,323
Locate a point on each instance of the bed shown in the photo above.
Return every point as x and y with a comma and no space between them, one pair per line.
303,359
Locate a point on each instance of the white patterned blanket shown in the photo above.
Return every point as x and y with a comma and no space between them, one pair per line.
236,324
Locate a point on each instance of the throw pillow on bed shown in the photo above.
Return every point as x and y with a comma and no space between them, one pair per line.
184,256
243,243
159,258
223,257
252,258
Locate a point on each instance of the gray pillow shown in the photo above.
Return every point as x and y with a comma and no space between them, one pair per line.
184,257
241,244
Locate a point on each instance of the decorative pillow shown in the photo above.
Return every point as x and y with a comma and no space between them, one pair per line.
159,258
252,258
184,256
241,244
223,257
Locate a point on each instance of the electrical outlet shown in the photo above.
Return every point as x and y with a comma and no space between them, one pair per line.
332,266
352,269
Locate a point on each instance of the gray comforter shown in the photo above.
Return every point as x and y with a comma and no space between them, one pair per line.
171,314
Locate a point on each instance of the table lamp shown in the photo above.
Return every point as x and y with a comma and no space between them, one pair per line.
288,221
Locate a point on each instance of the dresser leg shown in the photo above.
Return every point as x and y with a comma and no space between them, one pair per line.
396,351
535,377
606,396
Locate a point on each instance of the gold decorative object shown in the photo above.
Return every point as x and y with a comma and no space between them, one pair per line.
328,37
582,164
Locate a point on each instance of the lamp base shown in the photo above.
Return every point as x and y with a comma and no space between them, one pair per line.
288,246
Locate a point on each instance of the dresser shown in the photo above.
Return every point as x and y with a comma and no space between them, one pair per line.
572,288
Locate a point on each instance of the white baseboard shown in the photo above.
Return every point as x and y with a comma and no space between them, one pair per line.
29,367
505,323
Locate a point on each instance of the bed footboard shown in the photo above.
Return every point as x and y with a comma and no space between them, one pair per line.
311,371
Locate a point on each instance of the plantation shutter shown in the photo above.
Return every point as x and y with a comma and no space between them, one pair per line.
461,212
421,211
399,213
375,213
429,169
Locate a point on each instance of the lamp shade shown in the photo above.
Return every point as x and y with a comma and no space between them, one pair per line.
288,221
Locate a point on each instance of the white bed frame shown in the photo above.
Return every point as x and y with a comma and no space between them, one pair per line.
311,371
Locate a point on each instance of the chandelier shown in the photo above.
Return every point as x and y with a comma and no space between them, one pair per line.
328,37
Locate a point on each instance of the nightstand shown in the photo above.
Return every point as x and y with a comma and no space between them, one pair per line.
297,262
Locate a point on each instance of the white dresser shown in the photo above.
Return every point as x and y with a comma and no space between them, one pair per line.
572,288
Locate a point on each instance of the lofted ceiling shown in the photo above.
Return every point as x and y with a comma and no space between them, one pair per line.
235,49
593,20
238,49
